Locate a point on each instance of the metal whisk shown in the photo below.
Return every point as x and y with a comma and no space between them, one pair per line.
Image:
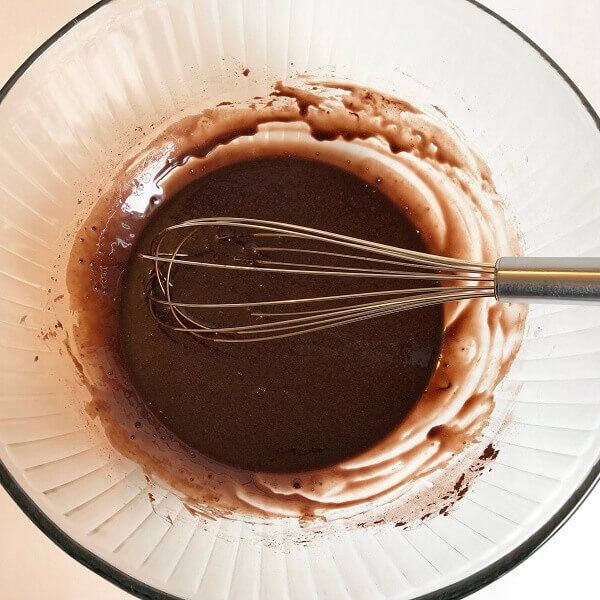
257,246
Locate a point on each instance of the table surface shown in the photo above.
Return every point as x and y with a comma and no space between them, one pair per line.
32,567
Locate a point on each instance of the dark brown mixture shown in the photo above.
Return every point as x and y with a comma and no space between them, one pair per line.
210,420
287,405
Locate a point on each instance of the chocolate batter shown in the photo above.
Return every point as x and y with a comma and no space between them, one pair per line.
295,404
321,425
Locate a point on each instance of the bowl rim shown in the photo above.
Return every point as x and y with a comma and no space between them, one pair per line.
454,591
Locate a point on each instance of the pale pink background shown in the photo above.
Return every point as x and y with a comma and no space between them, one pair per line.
31,567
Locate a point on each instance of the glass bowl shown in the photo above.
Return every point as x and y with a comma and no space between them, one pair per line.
85,97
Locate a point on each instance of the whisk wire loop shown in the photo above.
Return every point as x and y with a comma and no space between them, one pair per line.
286,317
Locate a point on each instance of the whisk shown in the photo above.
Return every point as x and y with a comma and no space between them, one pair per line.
253,245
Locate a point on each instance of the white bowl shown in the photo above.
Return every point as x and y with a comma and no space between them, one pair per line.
72,109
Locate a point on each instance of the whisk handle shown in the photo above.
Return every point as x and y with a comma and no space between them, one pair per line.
556,280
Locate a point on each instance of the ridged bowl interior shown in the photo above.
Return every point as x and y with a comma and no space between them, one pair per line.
131,67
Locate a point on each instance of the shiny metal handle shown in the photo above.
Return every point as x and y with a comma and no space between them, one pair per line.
556,280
